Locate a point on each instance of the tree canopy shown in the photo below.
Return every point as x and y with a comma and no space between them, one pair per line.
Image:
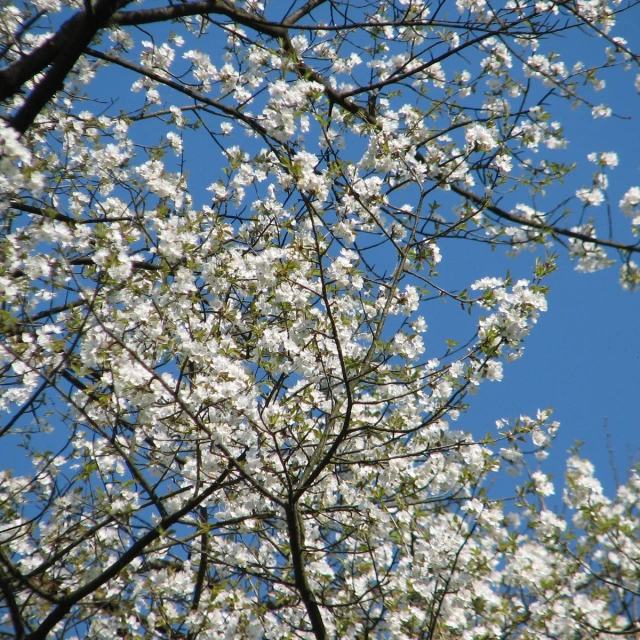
223,226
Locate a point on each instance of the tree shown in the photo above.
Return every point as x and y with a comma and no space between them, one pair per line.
235,428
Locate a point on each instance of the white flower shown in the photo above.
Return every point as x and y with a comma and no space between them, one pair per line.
178,118
590,197
408,300
410,348
488,283
604,159
307,178
549,524
474,6
601,111
591,256
542,484
479,138
630,276
539,438
493,370
503,162
473,506
419,325
582,488
153,96
630,201
176,142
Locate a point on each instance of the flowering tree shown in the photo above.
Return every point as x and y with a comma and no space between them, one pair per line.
234,426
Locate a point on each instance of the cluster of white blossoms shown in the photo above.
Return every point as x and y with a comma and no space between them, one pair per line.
479,138
281,116
590,255
630,204
516,311
215,295
16,167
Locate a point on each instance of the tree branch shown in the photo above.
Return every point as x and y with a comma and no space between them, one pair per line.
230,111
16,74
66,51
303,11
511,217
14,611
207,7
52,214
296,540
145,266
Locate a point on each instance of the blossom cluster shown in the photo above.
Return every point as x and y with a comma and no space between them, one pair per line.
237,415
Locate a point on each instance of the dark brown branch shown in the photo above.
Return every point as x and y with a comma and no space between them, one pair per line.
14,611
208,7
23,323
164,14
45,213
89,262
267,27
296,540
13,77
303,11
61,60
202,567
24,408
61,217
33,585
145,266
526,222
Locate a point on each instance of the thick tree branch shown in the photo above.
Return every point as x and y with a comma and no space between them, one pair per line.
296,540
303,11
526,222
14,610
14,76
19,326
203,565
24,408
165,14
220,7
145,266
45,213
61,57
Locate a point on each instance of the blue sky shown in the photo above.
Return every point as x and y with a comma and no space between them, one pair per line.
583,357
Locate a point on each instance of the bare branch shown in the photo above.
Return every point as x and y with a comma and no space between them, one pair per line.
526,222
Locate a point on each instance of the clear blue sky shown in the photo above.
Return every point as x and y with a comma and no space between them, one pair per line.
583,357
